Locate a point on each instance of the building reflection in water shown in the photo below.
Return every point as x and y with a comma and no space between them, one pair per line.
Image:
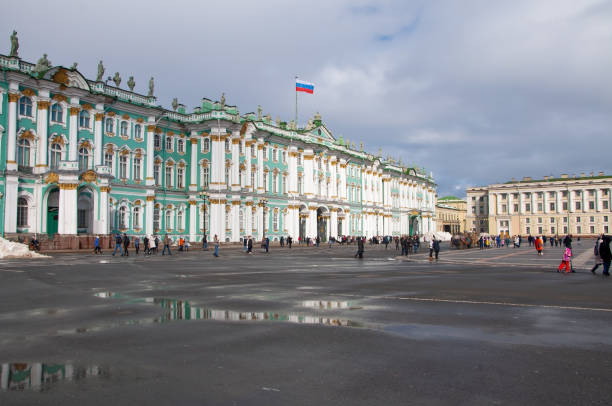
40,376
326,304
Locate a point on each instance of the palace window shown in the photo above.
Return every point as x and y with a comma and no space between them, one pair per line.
136,218
137,168
205,177
168,176
265,153
180,146
138,131
241,218
157,141
108,160
552,206
284,188
109,128
25,106
179,220
124,129
284,154
253,175
156,218
265,180
578,206
57,113
123,220
275,220
591,205
274,154
168,143
605,204
84,119
123,166
168,219
56,155
527,207
205,144
83,158
577,219
22,212
180,177
156,173
592,219
539,207
274,183
23,152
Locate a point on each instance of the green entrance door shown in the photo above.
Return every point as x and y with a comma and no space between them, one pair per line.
52,220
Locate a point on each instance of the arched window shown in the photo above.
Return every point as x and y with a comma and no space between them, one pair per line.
136,217
123,166
84,119
284,188
25,106
83,158
156,219
124,128
205,177
180,178
22,212
168,219
168,143
56,155
57,113
156,173
168,176
123,219
266,183
23,152
274,183
180,146
179,220
157,141
110,127
108,159
205,145
275,220
137,169
138,131
253,177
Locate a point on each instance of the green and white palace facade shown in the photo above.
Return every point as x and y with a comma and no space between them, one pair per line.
80,157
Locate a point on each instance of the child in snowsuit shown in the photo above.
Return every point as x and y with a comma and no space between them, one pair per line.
565,262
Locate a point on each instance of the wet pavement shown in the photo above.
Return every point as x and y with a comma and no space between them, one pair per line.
307,326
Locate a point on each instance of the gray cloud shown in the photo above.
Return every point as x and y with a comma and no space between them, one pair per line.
476,91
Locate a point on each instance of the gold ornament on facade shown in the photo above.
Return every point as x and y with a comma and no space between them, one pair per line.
110,149
43,105
74,111
111,114
193,141
86,106
89,176
192,202
52,178
60,98
139,120
150,198
13,97
181,164
61,77
68,186
28,135
169,207
169,163
58,139
170,133
125,116
99,116
28,92
125,152
235,202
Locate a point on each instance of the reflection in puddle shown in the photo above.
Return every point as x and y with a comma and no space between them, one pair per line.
40,376
323,304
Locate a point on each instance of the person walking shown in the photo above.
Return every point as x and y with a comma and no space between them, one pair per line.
118,242
282,241
97,249
565,262
244,245
289,241
605,254
431,250
166,245
137,244
267,245
436,247
216,243
539,245
596,257
204,243
250,245
360,248
126,244
145,244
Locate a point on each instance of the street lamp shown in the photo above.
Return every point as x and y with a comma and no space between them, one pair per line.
203,196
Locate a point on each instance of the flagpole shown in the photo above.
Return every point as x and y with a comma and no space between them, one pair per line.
296,107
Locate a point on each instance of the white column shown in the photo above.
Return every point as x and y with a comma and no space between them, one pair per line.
260,168
235,219
342,192
308,173
585,200
248,217
11,160
149,215
194,166
10,204
41,131
545,202
193,219
334,223
510,204
235,169
150,180
68,208
533,202
259,220
311,225
102,211
598,200
333,165
217,218
73,130
98,147
293,172
248,163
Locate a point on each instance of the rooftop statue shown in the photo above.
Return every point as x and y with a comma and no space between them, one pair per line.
117,79
317,116
14,45
100,72
43,64
310,125
74,66
131,83
278,121
361,146
259,112
222,100
175,104
151,86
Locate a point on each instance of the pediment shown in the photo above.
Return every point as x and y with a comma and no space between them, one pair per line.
67,77
323,132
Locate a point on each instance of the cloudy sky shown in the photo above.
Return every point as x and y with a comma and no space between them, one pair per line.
476,91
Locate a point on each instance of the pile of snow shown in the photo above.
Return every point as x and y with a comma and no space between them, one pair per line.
440,235
9,249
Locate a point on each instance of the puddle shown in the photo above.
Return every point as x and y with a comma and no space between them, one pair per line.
42,376
323,304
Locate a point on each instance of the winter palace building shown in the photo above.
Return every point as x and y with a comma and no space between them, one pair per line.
80,157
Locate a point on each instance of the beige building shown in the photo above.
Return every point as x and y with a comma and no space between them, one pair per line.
549,206
451,214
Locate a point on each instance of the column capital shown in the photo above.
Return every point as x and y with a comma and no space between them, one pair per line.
13,97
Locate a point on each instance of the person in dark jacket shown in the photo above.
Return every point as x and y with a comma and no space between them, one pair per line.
605,254
250,245
360,248
126,244
118,242
289,241
436,247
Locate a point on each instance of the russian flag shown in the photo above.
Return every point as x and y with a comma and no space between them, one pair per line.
301,86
